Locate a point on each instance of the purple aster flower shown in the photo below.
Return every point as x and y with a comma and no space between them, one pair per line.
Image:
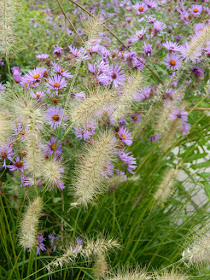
179,38
117,76
151,4
125,136
52,145
158,26
38,95
179,113
198,71
56,82
25,181
2,88
108,170
139,34
171,46
169,93
136,118
40,245
79,241
128,159
16,74
155,138
196,10
207,49
17,165
60,71
185,128
6,153
147,49
35,75
54,116
53,240
151,19
199,27
78,95
57,50
143,95
140,8
86,132
173,61
42,56
79,53
122,174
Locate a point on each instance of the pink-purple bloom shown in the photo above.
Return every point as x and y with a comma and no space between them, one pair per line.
60,71
42,56
54,116
140,8
118,76
179,113
6,153
128,159
173,61
171,46
57,82
17,165
125,136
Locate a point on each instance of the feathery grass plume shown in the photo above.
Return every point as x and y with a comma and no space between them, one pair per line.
34,155
126,99
28,111
92,28
87,108
100,267
8,9
170,276
29,224
198,42
164,190
6,127
53,174
89,182
169,135
136,274
198,250
88,249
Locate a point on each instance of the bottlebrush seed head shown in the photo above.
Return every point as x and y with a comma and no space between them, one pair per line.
29,224
88,182
6,127
171,276
164,189
53,174
198,42
198,250
87,108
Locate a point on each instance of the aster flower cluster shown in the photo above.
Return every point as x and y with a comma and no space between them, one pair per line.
98,112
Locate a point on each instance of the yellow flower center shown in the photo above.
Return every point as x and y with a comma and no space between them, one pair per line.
56,85
55,118
18,164
53,147
3,154
173,62
36,76
141,9
123,136
195,10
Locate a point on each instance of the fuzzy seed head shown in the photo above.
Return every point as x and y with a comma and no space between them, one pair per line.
198,42
52,173
87,108
100,267
130,275
6,127
8,9
198,251
93,27
89,183
164,190
171,276
126,99
29,224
